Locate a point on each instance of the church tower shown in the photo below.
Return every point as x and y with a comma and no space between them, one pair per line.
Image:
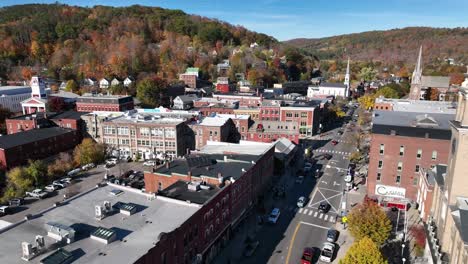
346,80
38,88
416,79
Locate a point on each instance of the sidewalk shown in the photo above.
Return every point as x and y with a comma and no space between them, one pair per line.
345,240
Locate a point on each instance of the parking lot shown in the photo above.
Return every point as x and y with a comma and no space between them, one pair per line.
82,182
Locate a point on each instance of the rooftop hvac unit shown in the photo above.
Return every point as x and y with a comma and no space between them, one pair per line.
98,212
28,251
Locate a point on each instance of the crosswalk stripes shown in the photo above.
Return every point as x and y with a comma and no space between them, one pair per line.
316,213
300,210
325,218
312,213
305,211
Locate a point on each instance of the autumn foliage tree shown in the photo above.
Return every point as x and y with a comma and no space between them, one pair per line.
151,91
369,220
89,152
364,251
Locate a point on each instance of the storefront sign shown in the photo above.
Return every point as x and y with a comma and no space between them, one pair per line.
390,191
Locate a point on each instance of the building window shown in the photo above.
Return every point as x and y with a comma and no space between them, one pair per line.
160,186
296,114
417,168
400,166
398,179
434,154
144,131
419,154
109,130
303,114
380,164
382,147
402,150
303,123
122,131
379,176
289,114
415,181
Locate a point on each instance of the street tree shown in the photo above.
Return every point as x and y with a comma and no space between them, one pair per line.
369,220
364,251
367,102
432,94
89,152
71,86
387,92
61,165
37,171
19,181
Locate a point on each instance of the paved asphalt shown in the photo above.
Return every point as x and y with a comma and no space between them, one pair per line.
298,228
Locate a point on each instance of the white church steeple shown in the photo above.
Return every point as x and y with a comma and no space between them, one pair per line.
346,80
416,79
38,88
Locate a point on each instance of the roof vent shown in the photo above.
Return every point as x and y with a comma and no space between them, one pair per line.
104,235
193,186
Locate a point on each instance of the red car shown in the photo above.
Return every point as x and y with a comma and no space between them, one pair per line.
334,142
307,256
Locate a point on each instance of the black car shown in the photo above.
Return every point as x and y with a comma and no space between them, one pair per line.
328,156
332,235
324,207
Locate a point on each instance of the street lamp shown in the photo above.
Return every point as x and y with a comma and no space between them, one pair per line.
404,260
403,248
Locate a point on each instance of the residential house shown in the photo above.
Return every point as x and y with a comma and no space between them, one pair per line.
184,102
128,81
104,83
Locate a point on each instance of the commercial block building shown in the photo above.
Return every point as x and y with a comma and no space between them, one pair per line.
270,131
401,144
16,149
108,103
307,114
214,128
146,135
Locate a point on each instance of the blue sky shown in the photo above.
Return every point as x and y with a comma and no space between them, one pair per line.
287,19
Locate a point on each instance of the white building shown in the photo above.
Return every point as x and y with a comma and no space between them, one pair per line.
128,81
327,89
104,83
38,98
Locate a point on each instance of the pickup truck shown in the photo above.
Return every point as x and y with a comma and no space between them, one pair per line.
38,193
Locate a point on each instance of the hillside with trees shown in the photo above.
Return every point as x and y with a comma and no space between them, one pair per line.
72,43
392,46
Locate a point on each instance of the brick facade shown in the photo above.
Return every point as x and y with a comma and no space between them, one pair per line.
104,103
391,158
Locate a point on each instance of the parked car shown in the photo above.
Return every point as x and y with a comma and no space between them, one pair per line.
332,235
307,256
66,181
301,202
328,250
16,202
59,184
340,132
307,167
4,210
88,166
51,188
324,207
317,174
149,163
37,193
126,158
328,156
274,215
300,179
334,142
111,161
74,172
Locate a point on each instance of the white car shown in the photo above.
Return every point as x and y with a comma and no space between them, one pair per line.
274,215
51,188
112,161
301,202
328,250
88,166
149,163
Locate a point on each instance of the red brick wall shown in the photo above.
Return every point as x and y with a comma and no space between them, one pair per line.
90,107
270,113
222,88
270,137
383,106
391,158
207,111
12,125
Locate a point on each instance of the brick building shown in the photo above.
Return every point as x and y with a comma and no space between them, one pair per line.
306,114
401,144
214,128
253,112
208,101
216,109
270,110
108,103
226,181
428,177
245,99
242,123
145,135
68,119
16,149
387,104
270,131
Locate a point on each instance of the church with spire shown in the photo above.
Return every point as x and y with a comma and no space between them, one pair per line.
421,85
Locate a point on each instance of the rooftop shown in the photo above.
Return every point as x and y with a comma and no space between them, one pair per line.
460,216
14,90
243,117
435,81
243,147
332,85
420,106
212,121
437,174
412,124
149,118
68,115
195,192
29,136
136,234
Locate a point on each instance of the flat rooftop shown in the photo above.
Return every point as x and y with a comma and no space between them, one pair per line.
413,124
243,117
420,106
29,136
14,90
136,234
180,191
149,118
215,121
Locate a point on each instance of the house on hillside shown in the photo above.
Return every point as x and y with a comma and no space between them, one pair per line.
90,81
116,82
184,102
128,81
104,83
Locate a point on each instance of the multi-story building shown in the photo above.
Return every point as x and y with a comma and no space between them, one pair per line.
148,136
307,114
189,79
16,149
214,128
226,186
449,211
401,144
270,131
214,109
327,89
270,110
428,179
107,103
253,112
245,99
209,101
387,104
242,123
